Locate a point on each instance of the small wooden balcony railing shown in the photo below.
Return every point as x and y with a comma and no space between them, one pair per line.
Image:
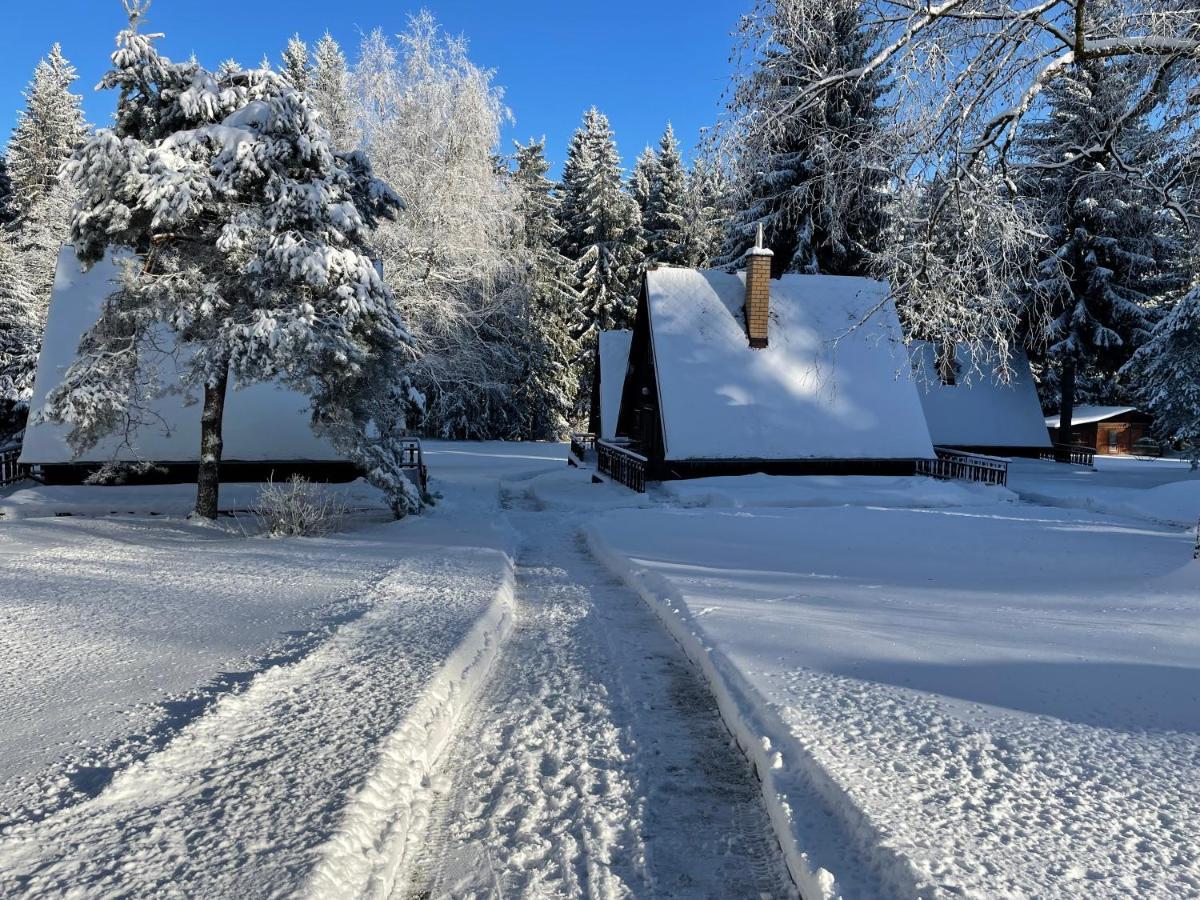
581,444
411,457
621,464
961,466
10,470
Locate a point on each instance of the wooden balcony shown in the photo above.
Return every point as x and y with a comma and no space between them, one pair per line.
1074,454
622,464
10,471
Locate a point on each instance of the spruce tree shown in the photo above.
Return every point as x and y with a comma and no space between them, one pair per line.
1111,252
49,129
665,221
706,211
603,226
330,91
809,173
6,199
21,325
641,180
297,70
250,237
545,392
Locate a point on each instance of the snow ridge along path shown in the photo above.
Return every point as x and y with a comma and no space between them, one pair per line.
594,763
267,789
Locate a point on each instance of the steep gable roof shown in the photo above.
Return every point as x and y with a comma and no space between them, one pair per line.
263,422
982,408
833,383
614,360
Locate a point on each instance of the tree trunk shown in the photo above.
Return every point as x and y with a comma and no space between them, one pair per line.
1066,408
208,482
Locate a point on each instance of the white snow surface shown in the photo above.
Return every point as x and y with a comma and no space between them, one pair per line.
193,711
1085,415
262,421
834,383
982,408
988,700
614,361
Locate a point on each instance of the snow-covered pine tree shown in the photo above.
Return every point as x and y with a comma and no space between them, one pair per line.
604,218
49,129
6,205
813,175
1166,373
21,326
297,69
251,243
706,211
641,179
330,91
431,122
545,392
1112,251
665,220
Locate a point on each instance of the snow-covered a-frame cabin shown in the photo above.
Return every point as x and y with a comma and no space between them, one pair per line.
731,373
971,405
266,430
612,361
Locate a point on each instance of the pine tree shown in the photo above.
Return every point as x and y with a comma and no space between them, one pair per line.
21,326
297,70
810,174
545,392
603,226
1111,253
706,211
330,91
49,129
665,222
1166,374
641,180
6,193
252,243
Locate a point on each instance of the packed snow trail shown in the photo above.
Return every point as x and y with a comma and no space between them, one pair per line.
247,800
594,763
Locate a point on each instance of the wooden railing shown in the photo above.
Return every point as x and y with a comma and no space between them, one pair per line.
1076,454
622,464
581,443
961,466
10,471
411,457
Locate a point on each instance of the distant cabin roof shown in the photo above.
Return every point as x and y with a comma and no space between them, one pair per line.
982,408
833,383
614,360
263,422
1086,415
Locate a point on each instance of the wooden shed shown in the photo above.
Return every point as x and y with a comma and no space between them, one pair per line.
1110,430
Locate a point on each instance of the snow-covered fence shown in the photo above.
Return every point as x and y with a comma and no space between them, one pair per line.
1076,454
957,465
10,470
622,464
581,443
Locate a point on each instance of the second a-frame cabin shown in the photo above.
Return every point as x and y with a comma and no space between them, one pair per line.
738,372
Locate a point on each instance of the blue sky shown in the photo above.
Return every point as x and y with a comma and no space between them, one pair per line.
642,62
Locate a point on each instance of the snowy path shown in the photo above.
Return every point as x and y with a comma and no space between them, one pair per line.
594,763
244,802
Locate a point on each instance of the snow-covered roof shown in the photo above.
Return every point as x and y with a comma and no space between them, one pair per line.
614,360
1086,415
263,422
833,383
981,409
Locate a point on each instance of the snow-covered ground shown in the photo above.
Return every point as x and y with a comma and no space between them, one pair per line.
990,699
194,711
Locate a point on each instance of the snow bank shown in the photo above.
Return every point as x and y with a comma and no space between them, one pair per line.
1164,491
998,700
35,501
363,857
573,489
815,490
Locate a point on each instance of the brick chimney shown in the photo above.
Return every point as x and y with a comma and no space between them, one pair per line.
758,291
